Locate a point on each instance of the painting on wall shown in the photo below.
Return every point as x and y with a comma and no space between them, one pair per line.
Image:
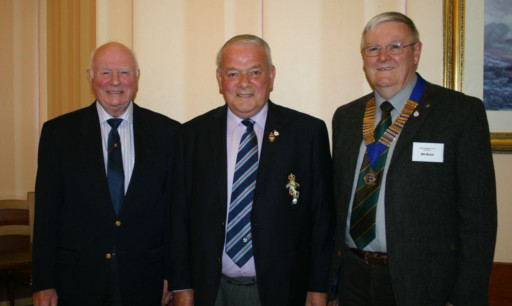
498,55
496,44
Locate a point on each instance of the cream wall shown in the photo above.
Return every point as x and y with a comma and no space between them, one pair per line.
315,47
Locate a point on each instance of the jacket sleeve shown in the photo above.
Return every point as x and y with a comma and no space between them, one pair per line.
476,208
179,272
49,193
322,212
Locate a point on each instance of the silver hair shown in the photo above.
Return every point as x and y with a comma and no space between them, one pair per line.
391,17
245,39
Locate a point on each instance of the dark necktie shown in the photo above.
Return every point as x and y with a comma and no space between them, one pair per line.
115,173
238,232
364,207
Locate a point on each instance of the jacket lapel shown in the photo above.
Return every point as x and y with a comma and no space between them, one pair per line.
351,136
414,123
144,148
276,121
217,145
92,151
355,137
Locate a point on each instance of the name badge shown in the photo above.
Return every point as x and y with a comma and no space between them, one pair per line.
428,152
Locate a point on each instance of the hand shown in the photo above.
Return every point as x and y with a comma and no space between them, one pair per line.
316,299
183,298
47,297
333,302
166,295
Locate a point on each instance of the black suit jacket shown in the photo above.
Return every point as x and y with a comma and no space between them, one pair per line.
440,217
291,243
75,223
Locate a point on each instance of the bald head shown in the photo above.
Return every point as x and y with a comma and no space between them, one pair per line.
112,44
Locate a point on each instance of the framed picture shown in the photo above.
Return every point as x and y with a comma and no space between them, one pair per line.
454,57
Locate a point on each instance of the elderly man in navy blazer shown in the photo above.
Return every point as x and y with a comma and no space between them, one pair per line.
414,183
106,177
259,215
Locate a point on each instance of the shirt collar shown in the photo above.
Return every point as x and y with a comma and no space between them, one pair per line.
104,115
259,119
400,98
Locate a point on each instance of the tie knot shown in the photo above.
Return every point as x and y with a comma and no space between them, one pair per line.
386,107
248,123
114,122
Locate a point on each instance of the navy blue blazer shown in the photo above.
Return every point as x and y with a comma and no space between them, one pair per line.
75,225
292,244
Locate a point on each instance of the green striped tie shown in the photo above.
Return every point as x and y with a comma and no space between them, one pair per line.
362,221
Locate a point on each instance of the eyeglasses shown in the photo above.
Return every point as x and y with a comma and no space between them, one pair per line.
391,49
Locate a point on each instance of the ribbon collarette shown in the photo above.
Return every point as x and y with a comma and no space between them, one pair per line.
375,149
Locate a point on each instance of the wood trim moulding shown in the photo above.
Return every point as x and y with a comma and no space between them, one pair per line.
71,37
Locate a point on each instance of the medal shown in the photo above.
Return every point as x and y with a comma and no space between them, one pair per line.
370,178
292,187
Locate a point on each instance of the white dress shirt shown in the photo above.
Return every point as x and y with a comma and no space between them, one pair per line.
125,131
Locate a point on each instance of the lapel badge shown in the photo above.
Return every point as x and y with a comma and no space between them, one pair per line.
272,136
292,188
416,113
370,179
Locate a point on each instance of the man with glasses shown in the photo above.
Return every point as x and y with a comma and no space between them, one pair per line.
414,183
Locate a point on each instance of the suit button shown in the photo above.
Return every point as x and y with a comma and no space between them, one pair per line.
223,224
218,259
118,223
108,256
452,247
339,253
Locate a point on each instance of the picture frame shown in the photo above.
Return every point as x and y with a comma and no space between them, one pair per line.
453,62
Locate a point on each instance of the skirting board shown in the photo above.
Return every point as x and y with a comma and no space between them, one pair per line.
500,284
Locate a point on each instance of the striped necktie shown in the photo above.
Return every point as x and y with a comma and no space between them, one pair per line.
364,207
115,173
238,233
